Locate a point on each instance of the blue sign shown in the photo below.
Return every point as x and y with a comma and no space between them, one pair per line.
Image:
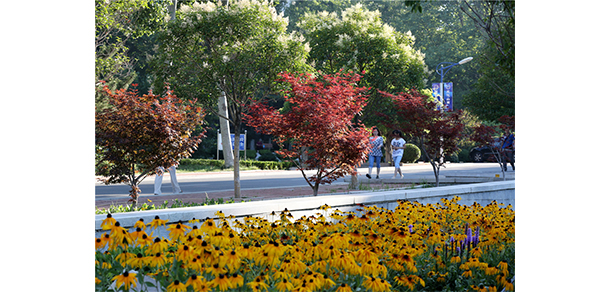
242,141
447,100
448,88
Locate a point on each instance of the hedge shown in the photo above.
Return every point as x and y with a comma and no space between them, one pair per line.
245,163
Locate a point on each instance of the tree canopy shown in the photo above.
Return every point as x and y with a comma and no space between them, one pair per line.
319,125
138,133
238,49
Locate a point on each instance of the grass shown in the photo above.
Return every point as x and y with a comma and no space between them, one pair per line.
176,203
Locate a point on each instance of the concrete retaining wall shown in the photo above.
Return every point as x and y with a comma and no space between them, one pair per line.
482,193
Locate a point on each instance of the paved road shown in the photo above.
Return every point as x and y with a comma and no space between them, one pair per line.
256,179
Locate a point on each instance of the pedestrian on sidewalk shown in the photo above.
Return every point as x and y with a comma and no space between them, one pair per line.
375,153
508,150
398,148
159,180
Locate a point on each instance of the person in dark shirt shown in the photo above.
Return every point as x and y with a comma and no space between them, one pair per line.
508,150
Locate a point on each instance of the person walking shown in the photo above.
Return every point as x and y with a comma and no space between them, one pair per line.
159,180
508,150
375,153
398,148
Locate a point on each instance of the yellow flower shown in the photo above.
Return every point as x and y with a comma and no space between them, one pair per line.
176,286
144,240
124,256
185,253
236,281
467,273
140,224
456,260
258,285
221,282
376,284
216,270
197,282
177,231
108,222
158,246
136,262
157,260
344,288
157,222
328,282
138,233
284,285
127,279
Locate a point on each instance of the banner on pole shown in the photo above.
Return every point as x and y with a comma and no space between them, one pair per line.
242,141
443,95
448,88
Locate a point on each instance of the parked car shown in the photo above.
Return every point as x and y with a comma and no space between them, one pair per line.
484,153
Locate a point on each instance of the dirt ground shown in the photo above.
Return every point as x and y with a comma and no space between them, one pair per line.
250,195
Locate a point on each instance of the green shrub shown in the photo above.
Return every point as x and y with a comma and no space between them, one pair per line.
267,156
188,164
411,153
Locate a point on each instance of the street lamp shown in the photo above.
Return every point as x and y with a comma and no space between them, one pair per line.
444,69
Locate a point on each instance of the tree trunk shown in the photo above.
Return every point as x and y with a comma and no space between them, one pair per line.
172,9
353,184
315,189
225,132
236,175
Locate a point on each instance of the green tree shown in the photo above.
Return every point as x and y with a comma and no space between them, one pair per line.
358,40
117,22
237,49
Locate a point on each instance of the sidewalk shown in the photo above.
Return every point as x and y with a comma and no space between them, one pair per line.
338,187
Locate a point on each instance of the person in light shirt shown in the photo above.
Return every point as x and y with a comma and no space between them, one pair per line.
398,148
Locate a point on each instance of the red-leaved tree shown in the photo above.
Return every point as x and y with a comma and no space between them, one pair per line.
138,133
318,122
436,132
491,136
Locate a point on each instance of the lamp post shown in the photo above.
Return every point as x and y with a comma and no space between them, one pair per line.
443,70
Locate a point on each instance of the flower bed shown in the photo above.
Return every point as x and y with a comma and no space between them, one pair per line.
415,247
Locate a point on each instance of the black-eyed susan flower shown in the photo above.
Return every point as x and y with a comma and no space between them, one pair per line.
376,284
177,231
126,279
140,224
157,260
158,246
258,284
197,282
124,256
284,285
235,280
100,243
221,283
136,262
176,286
216,270
344,288
108,222
144,240
185,253
328,282
157,222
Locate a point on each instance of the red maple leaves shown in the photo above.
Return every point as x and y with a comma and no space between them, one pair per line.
318,122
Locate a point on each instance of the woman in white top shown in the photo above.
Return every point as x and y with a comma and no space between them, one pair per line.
398,147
